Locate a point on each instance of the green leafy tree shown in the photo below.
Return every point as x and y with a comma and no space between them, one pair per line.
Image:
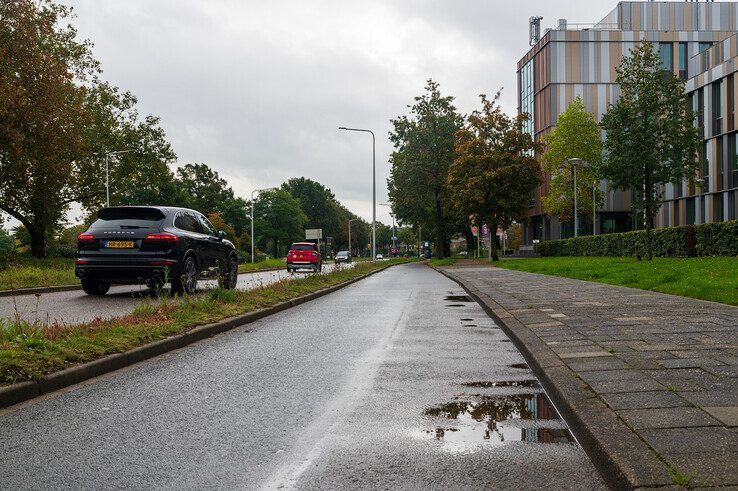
318,203
278,220
651,138
576,135
204,188
424,151
42,74
495,170
236,212
7,244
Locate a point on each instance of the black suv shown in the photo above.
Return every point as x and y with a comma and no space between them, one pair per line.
153,245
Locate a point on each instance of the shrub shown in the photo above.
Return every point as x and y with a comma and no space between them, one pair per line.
710,239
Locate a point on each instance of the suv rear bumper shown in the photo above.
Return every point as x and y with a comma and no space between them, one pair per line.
125,271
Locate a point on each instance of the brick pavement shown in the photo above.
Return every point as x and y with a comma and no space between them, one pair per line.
661,367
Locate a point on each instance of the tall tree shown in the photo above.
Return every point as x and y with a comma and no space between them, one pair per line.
495,170
205,189
278,220
651,137
318,203
424,151
42,69
576,135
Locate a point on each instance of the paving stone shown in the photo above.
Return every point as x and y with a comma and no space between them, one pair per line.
689,363
599,363
728,415
674,417
644,400
706,468
625,386
586,354
699,439
710,398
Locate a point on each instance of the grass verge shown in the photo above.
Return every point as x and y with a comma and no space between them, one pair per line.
28,272
446,261
29,351
266,264
706,278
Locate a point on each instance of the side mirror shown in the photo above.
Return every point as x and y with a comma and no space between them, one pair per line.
221,235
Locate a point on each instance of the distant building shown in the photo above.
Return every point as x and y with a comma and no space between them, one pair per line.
697,41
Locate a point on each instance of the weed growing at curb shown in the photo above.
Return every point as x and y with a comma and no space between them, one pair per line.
679,478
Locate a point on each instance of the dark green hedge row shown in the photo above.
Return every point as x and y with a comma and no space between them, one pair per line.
710,239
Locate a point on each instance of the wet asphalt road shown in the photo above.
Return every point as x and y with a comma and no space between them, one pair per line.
359,388
75,306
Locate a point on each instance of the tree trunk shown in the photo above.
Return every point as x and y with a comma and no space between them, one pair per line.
493,240
276,248
37,234
441,247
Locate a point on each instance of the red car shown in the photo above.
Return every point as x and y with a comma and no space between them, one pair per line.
304,255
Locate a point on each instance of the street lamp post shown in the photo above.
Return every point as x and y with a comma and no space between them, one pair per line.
574,162
252,218
594,208
374,188
107,174
349,234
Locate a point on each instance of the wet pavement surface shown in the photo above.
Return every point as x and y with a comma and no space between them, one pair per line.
380,384
75,306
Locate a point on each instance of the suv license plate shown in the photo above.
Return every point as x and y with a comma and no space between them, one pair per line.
119,244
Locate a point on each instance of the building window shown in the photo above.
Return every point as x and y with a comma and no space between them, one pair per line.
719,163
705,186
701,110
676,218
717,206
704,46
683,61
733,160
691,218
731,103
731,205
717,108
666,55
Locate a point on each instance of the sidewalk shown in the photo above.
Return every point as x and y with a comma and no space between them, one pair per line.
648,381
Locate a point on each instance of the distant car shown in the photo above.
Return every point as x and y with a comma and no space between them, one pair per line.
407,255
379,256
153,245
304,255
463,253
343,257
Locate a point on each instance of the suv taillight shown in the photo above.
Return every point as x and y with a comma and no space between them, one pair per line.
85,238
162,237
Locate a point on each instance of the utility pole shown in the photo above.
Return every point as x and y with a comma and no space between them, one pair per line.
107,174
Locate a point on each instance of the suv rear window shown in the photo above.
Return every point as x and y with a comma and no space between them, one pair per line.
133,217
302,247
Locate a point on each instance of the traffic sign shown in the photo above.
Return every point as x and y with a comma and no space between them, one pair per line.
313,234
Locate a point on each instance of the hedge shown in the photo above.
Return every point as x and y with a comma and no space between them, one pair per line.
710,239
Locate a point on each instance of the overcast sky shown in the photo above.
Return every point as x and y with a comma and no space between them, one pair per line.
257,89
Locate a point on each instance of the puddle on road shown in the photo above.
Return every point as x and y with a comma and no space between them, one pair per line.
504,383
459,298
470,325
493,420
455,305
467,319
520,365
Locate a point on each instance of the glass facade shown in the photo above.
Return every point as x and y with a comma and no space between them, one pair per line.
683,61
666,55
526,96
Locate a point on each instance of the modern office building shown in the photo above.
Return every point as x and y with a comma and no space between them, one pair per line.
696,40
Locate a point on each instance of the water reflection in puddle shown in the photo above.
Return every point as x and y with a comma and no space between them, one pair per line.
504,383
490,420
459,298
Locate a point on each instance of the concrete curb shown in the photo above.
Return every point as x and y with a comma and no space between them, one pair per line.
621,457
23,391
66,288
